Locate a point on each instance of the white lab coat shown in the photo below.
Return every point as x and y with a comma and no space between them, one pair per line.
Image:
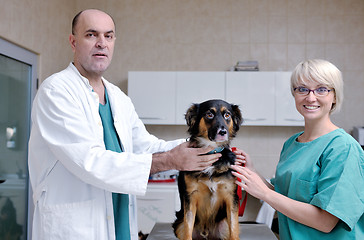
71,173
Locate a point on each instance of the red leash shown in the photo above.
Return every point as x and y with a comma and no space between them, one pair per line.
242,204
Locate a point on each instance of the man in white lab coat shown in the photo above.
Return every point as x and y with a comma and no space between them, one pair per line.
72,173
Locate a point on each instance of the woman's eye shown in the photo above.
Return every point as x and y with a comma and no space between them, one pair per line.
321,90
302,89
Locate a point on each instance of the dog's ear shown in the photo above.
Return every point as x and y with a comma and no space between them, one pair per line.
237,118
191,115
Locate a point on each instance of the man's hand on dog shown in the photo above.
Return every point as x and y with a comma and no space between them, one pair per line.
192,159
184,158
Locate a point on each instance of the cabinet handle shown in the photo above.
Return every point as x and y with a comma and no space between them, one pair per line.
153,118
151,199
293,120
255,120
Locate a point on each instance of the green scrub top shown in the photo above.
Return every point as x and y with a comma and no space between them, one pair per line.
327,172
120,201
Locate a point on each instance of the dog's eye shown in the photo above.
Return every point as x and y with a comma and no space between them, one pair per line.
209,115
227,116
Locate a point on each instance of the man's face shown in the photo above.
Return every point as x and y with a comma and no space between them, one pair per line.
93,43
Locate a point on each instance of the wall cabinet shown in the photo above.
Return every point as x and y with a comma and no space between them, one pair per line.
254,93
153,95
196,87
286,112
164,97
264,97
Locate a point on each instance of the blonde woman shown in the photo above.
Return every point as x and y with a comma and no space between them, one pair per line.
318,188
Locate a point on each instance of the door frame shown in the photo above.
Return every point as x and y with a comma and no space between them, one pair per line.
18,53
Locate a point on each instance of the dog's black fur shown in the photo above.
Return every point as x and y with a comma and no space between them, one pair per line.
209,200
142,236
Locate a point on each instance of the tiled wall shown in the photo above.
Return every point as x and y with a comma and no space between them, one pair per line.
211,35
41,27
190,35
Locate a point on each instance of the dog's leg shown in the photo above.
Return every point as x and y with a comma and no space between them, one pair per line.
233,219
189,220
184,230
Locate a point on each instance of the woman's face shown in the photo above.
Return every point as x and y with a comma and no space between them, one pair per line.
314,106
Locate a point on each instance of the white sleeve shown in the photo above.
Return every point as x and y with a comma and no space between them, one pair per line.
69,133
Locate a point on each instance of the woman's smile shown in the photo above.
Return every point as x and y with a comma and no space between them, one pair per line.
311,107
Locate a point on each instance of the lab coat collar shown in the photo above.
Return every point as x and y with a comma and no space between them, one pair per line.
83,79
109,89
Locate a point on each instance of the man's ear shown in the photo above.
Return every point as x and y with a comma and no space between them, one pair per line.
72,41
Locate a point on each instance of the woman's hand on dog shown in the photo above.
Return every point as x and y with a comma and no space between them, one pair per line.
251,182
242,158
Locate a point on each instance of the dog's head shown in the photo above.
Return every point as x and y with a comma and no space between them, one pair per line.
213,123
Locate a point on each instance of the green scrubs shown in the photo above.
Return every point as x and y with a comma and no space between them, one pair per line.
120,201
327,172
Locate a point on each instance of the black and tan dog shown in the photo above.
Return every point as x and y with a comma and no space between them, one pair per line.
209,200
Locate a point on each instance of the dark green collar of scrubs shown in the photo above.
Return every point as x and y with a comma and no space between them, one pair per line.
120,201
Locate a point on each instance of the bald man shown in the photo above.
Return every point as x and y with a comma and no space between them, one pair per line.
89,153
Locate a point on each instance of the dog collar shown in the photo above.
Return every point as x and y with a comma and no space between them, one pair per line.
216,150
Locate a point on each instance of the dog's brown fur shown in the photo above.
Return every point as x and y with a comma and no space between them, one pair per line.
209,201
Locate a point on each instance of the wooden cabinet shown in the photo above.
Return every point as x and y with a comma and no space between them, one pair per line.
264,98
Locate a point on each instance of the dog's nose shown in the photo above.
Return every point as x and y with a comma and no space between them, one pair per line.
222,132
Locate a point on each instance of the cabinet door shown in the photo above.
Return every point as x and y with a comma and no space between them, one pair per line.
153,95
159,204
286,112
196,87
254,92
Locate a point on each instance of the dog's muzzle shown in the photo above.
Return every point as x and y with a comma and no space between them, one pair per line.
221,135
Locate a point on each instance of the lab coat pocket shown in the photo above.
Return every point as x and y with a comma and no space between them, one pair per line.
77,221
305,190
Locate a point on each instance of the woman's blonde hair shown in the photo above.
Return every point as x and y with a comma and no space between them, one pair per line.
322,72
